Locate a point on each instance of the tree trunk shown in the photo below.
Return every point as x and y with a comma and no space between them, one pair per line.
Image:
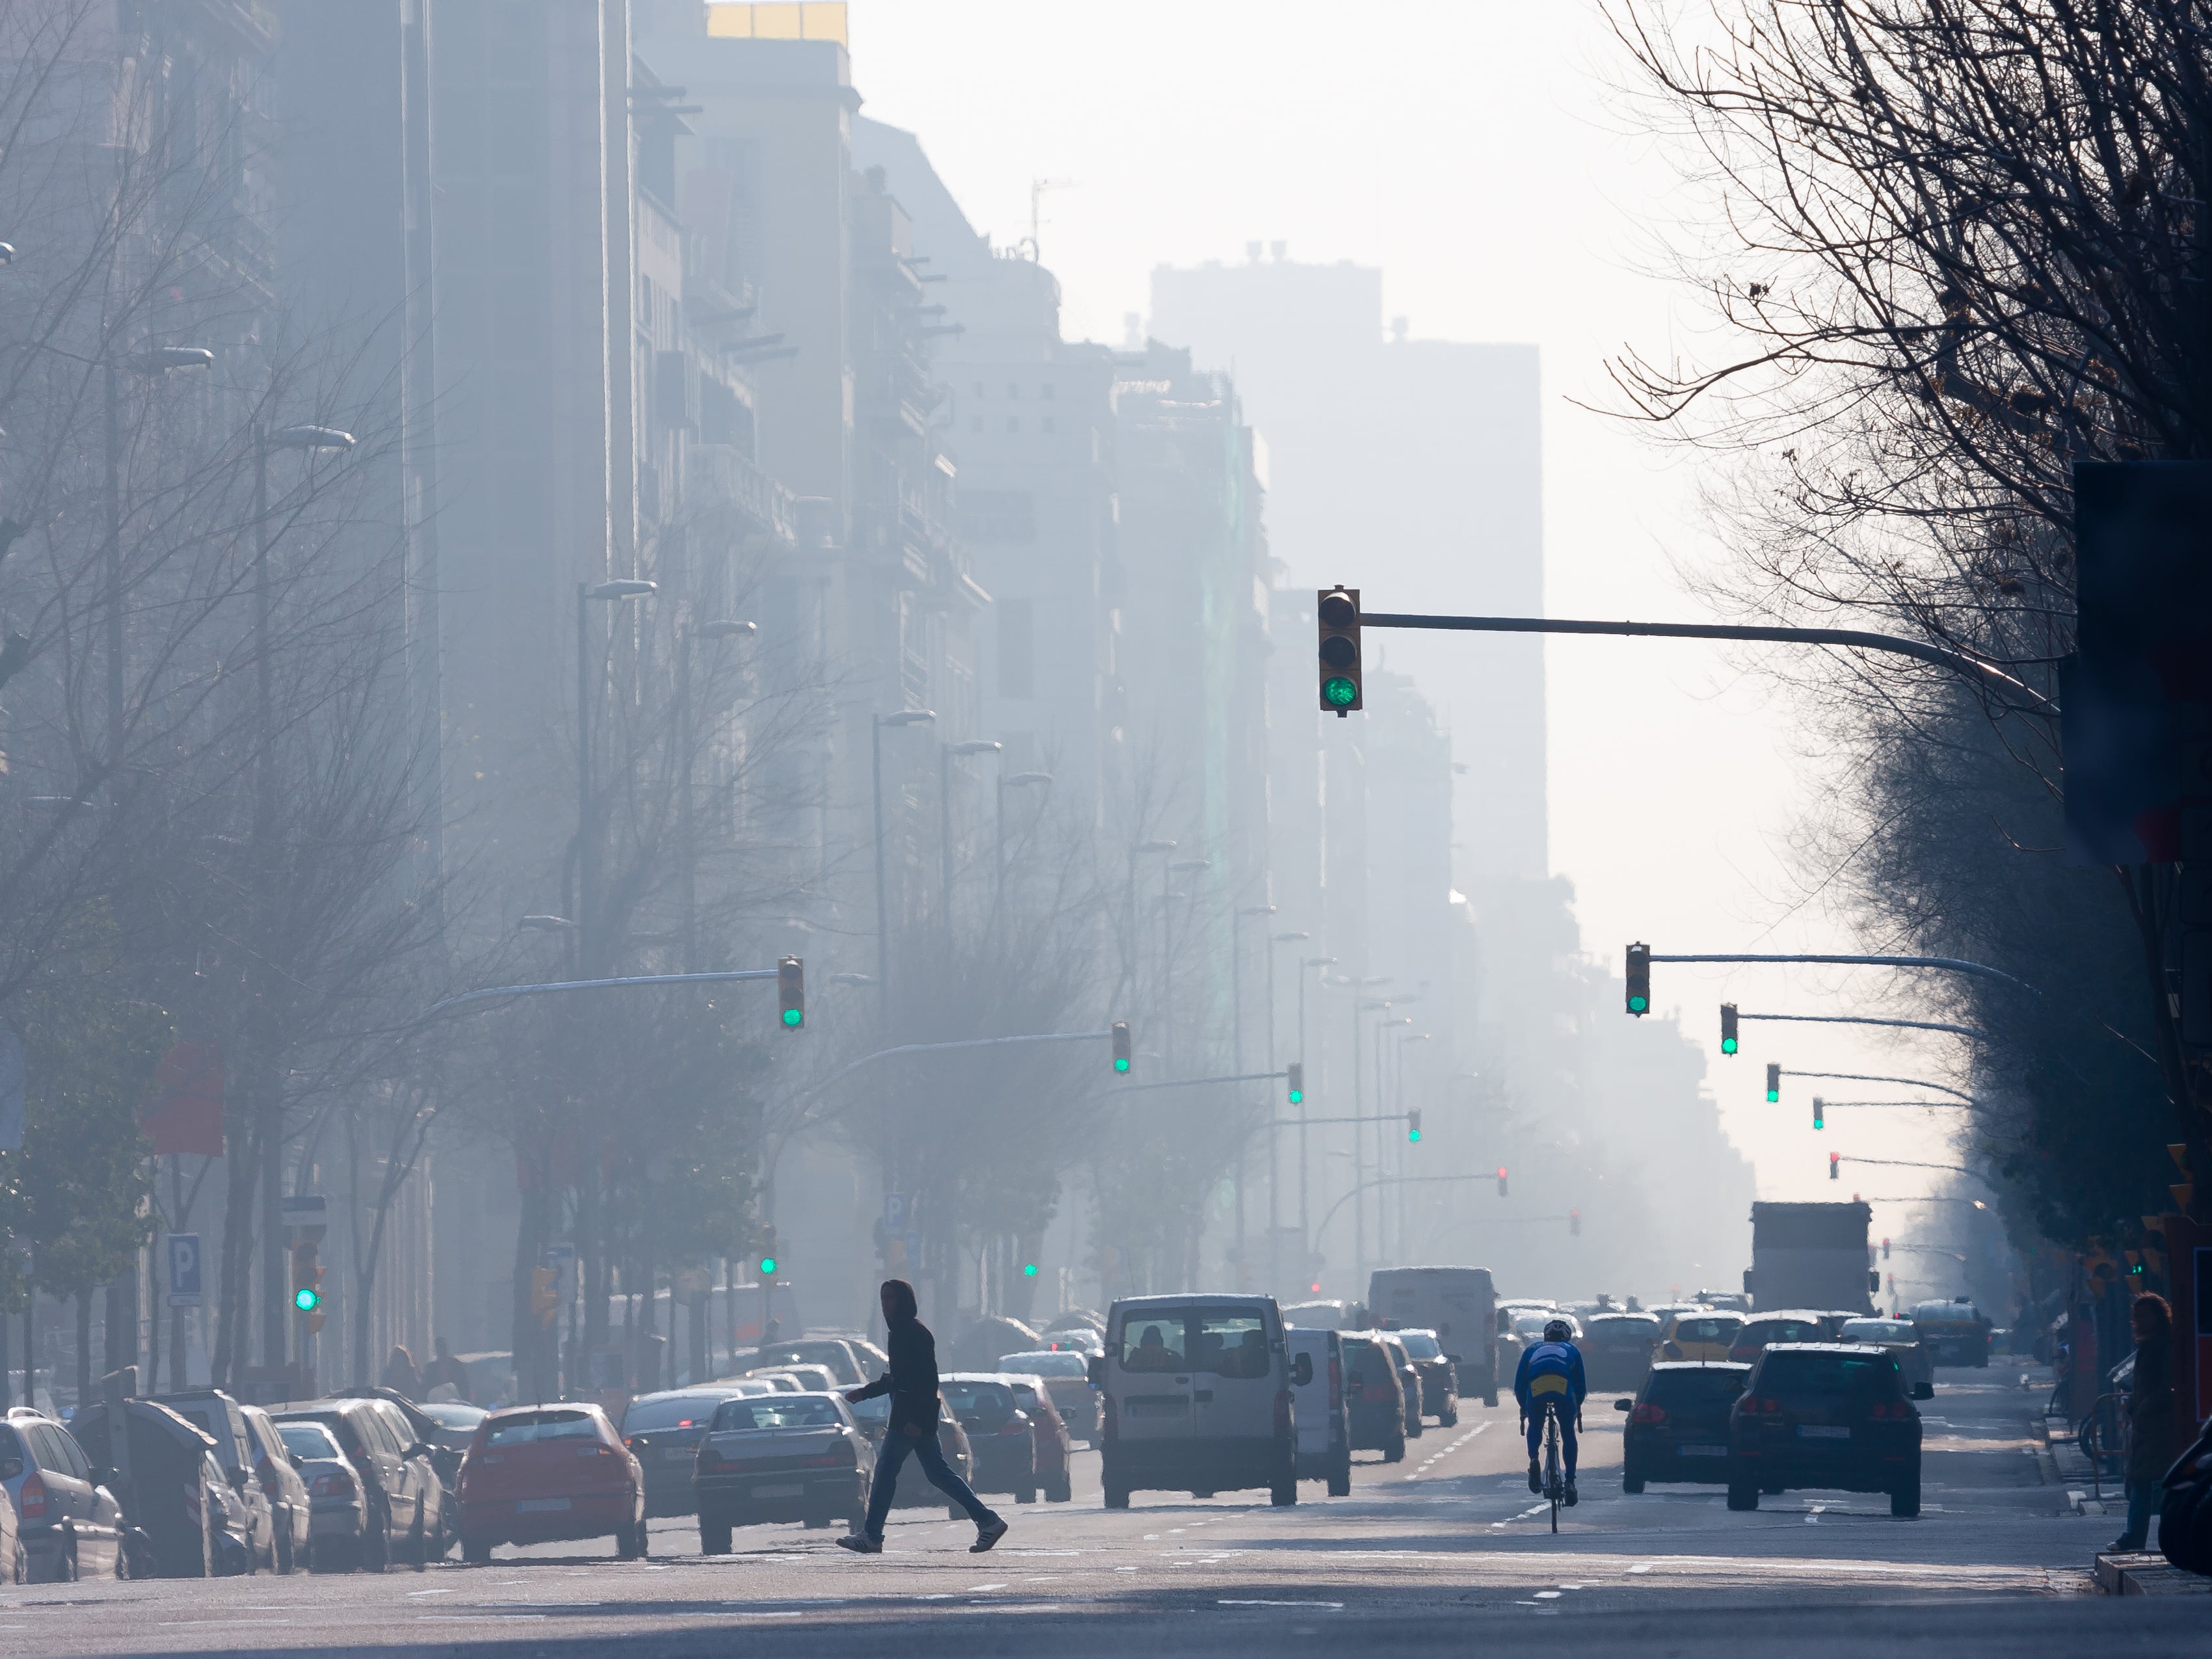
84,1348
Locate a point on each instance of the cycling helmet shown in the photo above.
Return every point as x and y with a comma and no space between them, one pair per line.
1558,1331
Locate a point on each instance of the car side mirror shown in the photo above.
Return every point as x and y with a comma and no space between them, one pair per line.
1923,1390
421,1449
1624,1405
1096,1369
238,1479
1302,1371
298,1461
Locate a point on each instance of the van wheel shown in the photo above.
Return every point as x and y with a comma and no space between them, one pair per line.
1061,1491
1905,1502
1489,1398
1339,1477
1742,1495
476,1551
1118,1497
1449,1419
715,1537
1631,1484
1394,1450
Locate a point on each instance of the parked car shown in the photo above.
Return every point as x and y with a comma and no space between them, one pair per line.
1196,1397
1528,1326
14,1563
1320,1408
662,1432
913,1489
1409,1380
1437,1373
1757,1332
1700,1333
543,1474
998,1431
1678,1424
1076,1338
399,1481
1824,1414
1067,1374
223,1420
337,1509
835,1353
801,1457
1053,1448
1618,1349
174,1520
1377,1397
68,1524
1902,1338
290,1507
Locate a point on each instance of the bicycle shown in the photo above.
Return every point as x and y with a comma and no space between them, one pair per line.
1555,1480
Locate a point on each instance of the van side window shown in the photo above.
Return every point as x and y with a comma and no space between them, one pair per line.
1231,1342
1154,1344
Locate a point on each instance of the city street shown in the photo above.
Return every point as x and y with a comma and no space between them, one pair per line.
1445,1544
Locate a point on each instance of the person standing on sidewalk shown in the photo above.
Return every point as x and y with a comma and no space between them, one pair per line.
2150,1418
911,1382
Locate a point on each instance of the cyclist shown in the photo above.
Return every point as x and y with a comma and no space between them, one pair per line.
1551,1381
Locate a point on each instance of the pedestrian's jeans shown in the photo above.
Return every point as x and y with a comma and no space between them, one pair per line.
897,1446
2143,1498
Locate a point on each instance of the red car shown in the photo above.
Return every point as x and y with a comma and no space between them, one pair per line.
538,1474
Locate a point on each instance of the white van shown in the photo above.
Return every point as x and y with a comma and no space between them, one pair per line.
1195,1395
1324,1414
1460,1304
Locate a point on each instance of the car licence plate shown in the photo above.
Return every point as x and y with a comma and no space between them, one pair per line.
1821,1431
540,1505
789,1489
1701,1451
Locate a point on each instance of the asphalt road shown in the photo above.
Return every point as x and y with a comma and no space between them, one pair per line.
1430,1554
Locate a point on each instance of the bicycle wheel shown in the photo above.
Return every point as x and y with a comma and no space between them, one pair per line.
1554,1485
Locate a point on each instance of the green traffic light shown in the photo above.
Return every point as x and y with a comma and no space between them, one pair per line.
1341,692
793,1017
768,1266
1412,1135
1029,1270
1773,1096
1727,1045
1120,1065
1297,1095
307,1298
1637,1004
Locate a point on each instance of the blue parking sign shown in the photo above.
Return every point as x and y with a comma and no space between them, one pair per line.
184,1270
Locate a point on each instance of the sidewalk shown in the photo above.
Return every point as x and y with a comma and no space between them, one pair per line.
2146,1573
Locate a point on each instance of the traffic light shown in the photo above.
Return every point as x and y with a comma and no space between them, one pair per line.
1834,1158
1336,615
1029,1270
1885,1249
1501,1180
766,1261
307,1282
544,1298
1639,980
1773,1081
1413,1124
791,991
1574,1223
1820,1113
1729,1044
1297,1082
1120,1045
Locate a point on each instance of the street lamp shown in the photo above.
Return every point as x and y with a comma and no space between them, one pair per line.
945,751
903,717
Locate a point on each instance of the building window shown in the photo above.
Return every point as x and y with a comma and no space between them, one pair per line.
1013,423
1016,648
1047,424
1012,390
1045,391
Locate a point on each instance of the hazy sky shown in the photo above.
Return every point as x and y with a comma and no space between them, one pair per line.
1478,153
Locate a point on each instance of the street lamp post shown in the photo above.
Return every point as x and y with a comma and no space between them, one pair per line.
1274,1150
945,751
1180,867
1306,965
1398,1068
903,717
1359,1142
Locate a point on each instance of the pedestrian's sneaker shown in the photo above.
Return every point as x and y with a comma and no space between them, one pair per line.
1571,1497
860,1544
1535,1478
987,1535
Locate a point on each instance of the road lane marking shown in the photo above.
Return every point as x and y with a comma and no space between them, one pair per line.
1253,1601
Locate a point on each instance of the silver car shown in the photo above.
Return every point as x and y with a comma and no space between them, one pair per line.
67,1525
337,1512
217,1414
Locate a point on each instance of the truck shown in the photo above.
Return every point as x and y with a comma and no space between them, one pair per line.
1811,1257
1460,1304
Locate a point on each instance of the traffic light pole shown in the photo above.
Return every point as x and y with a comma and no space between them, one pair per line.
1908,1081
485,995
1949,964
1958,662
1869,1020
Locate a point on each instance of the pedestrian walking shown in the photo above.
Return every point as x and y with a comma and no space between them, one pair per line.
2150,1417
399,1372
911,1432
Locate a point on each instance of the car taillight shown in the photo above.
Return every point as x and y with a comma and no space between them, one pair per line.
1648,1412
265,1472
1765,1403
1282,1411
31,1497
595,1450
1890,1408
333,1483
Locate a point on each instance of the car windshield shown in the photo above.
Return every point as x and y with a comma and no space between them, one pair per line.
528,1427
1420,1345
1835,1373
1629,1328
1877,1330
453,1414
670,1411
833,1356
1695,1388
1707,1327
1048,1365
308,1440
992,1402
1763,1331
762,1413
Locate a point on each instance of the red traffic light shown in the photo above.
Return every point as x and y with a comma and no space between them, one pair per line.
1501,1180
1834,1158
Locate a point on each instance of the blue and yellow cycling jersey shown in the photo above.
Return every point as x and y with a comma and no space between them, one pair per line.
1548,1372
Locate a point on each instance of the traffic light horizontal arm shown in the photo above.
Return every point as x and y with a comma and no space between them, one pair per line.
1952,964
1957,662
1869,1020
1317,1122
1924,1105
1194,1082
1860,1077
965,1042
1913,1164
485,995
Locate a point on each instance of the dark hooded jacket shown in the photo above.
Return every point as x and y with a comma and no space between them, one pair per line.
911,1382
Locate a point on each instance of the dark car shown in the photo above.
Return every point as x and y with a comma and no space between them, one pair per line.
662,1432
913,1489
404,1498
1377,1396
1409,1380
1832,1415
1618,1349
1067,1374
1054,1448
1439,1375
175,1514
1754,1335
1678,1424
999,1432
780,1457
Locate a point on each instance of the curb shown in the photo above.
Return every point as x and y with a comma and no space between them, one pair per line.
2146,1573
